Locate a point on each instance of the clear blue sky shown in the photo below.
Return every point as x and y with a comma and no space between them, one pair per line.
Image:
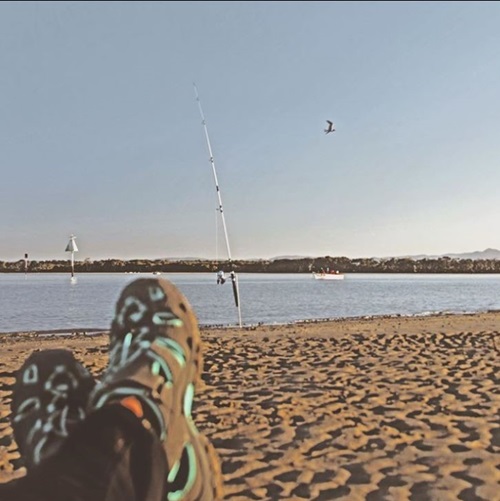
100,134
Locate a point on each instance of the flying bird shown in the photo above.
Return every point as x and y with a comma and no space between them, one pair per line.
330,128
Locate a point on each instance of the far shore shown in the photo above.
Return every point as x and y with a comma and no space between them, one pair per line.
342,264
251,272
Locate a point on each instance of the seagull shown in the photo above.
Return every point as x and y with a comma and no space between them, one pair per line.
330,127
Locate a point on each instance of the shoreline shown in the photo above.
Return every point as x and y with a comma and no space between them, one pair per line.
356,409
491,314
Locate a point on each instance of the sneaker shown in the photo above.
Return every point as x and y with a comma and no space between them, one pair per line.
155,363
49,399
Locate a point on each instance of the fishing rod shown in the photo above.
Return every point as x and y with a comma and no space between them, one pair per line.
234,278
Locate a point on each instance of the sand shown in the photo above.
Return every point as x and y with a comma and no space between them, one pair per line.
362,409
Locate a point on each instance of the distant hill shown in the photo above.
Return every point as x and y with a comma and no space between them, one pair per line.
485,254
475,255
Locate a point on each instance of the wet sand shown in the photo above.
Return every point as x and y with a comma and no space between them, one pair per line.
364,409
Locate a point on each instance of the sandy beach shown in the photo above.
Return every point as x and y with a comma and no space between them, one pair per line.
365,409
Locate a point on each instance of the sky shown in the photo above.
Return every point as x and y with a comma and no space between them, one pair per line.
101,137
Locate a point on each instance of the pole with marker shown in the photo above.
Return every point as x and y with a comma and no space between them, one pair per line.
71,247
26,264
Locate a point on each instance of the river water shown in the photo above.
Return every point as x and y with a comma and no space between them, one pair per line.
49,301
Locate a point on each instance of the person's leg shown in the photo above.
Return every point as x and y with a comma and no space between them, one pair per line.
49,400
155,364
110,456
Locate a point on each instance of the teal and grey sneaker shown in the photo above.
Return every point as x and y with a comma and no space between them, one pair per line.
49,399
155,363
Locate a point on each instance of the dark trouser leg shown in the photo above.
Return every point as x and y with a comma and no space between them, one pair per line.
108,457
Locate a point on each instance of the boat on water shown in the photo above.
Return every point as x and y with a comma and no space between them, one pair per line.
331,275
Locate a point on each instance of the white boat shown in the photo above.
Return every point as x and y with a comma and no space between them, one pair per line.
335,275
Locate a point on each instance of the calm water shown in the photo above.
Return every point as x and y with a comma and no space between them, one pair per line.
50,301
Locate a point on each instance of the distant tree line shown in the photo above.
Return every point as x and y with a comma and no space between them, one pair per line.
302,265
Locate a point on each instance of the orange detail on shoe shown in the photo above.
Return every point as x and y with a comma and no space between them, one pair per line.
133,404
